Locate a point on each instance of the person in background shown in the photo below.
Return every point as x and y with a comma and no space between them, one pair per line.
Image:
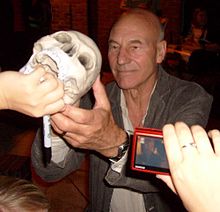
142,95
151,152
194,164
198,30
200,35
21,195
202,44
35,94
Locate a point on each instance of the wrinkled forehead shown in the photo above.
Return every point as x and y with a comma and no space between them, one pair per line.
140,24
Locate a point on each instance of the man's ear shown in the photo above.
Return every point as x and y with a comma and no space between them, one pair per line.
161,51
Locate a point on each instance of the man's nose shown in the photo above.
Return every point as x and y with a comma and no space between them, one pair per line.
123,56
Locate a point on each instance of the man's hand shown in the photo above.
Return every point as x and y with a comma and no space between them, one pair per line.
91,129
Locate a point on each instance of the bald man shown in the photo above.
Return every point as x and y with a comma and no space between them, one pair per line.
142,95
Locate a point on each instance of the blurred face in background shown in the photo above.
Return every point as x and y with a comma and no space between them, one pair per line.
200,18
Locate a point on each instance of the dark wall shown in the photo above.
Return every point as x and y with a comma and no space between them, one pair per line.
90,17
21,23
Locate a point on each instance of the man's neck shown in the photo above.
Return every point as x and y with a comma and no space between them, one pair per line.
137,101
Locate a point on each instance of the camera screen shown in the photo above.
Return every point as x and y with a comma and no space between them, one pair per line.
148,153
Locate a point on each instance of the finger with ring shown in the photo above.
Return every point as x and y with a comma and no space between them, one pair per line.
191,144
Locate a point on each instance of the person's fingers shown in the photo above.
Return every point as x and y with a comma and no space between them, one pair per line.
186,141
201,139
49,80
39,74
52,91
172,147
70,120
78,115
215,136
56,120
83,116
49,89
54,107
100,95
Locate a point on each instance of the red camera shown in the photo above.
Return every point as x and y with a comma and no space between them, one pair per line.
148,152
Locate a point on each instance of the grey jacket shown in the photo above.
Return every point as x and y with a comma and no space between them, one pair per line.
173,100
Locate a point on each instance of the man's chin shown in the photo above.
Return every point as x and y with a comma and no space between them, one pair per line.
125,85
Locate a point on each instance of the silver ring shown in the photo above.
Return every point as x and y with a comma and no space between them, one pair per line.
192,144
42,79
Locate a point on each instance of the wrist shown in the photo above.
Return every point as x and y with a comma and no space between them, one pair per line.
122,148
5,89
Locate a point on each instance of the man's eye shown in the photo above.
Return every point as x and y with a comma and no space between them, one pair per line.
113,47
134,47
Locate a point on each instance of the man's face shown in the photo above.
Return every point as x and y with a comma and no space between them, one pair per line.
134,52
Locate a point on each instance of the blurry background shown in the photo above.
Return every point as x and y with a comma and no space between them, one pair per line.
22,22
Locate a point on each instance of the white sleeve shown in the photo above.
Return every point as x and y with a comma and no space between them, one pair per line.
117,166
59,150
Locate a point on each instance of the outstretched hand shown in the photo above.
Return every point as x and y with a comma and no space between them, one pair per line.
194,165
36,94
93,129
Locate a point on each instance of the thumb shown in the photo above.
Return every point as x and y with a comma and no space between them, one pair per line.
101,99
